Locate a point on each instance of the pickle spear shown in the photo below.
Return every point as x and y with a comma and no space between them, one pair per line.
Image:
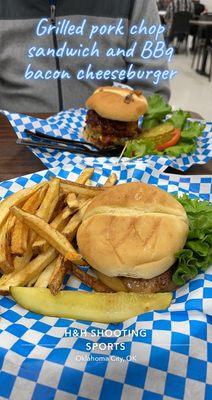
96,307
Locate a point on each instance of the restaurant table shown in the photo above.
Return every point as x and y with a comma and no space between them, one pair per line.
16,160
203,24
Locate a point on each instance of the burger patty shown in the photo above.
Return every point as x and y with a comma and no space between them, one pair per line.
103,141
161,283
108,127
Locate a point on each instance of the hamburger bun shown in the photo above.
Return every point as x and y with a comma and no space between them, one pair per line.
133,230
111,102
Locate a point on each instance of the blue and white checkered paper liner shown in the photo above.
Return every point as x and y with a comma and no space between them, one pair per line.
70,124
38,361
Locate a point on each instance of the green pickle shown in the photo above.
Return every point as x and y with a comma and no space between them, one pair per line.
160,134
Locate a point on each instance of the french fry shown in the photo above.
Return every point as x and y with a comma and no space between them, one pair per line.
48,205
59,207
70,229
84,179
81,180
19,238
31,270
58,223
61,218
6,260
85,175
96,307
57,276
89,280
45,276
111,181
21,262
15,200
72,201
43,191
73,187
47,232
32,281
72,226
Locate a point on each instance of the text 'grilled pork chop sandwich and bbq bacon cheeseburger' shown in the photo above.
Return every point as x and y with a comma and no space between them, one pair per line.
113,114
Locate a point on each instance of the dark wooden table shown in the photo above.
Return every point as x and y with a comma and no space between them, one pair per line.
16,160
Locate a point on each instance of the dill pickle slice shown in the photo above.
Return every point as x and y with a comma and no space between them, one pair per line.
96,307
160,130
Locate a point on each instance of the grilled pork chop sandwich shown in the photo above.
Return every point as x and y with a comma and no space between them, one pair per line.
113,115
132,232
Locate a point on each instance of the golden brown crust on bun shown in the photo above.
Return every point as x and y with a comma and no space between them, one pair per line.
133,230
118,104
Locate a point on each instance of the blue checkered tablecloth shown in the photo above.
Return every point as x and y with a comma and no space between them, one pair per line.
70,124
43,358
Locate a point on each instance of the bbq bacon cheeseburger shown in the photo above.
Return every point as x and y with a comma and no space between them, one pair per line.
131,232
113,115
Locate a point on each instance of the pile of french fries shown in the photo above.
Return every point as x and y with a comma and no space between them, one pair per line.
38,226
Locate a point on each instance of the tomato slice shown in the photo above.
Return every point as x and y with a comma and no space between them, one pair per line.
171,142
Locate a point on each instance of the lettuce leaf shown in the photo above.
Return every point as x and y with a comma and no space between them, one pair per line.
179,118
140,148
158,109
196,255
180,148
192,131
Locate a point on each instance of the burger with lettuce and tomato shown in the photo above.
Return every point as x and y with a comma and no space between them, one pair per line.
143,126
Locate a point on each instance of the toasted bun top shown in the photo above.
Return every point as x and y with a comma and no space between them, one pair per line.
133,230
117,103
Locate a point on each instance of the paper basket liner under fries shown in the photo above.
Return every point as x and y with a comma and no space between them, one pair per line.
44,358
70,124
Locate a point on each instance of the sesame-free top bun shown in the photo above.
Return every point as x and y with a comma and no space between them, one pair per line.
133,230
110,102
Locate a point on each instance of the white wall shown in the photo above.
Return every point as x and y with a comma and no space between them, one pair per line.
208,4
